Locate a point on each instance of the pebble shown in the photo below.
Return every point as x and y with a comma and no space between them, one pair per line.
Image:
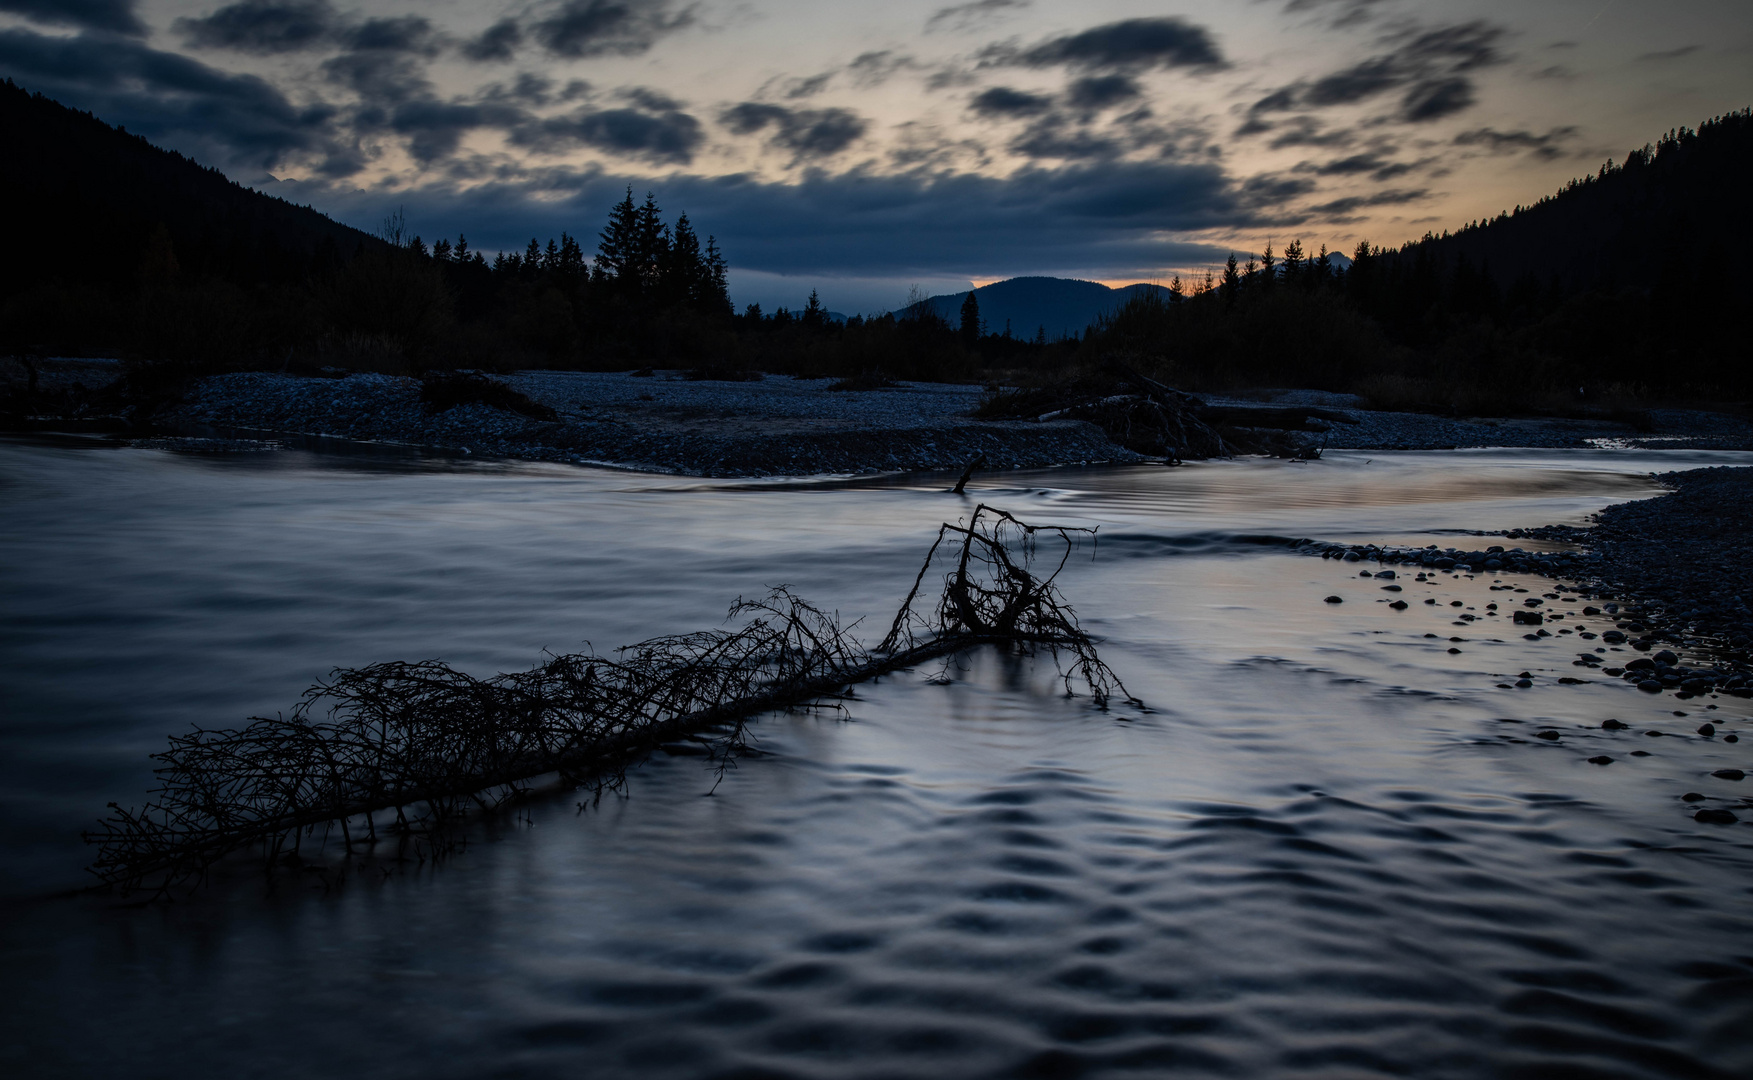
1335,600
1399,605
1692,796
1715,817
1600,759
1729,774
1614,725
1707,729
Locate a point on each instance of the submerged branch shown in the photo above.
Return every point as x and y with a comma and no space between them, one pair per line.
427,741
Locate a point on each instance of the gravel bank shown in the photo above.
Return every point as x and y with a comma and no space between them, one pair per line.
1678,570
783,426
663,423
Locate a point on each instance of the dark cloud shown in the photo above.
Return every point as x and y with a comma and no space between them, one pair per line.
263,26
1340,209
497,42
1429,68
1335,13
1101,91
969,15
1371,163
1670,54
807,133
582,28
115,16
654,128
380,79
404,34
1127,45
1512,142
1307,131
1437,98
1052,138
1002,101
435,128
232,121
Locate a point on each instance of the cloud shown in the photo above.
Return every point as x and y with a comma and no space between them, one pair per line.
1670,54
1336,13
583,28
1510,142
969,15
1373,163
1127,45
1430,68
653,128
115,16
1102,91
1002,101
403,34
263,26
1346,208
497,42
807,133
877,67
232,121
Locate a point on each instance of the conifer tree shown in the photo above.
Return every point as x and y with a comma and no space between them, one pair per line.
1268,267
813,315
1232,280
970,320
1177,291
617,244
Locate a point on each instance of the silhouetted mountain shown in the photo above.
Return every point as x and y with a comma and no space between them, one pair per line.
87,201
1063,307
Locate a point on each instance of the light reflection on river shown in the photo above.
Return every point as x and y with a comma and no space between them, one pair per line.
1323,852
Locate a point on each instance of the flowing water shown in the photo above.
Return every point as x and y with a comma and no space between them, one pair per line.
1328,847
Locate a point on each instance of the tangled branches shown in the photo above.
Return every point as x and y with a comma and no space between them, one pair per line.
409,747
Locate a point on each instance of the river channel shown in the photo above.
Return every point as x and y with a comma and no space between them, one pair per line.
1328,846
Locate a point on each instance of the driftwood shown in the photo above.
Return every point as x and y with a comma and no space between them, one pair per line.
409,748
1155,419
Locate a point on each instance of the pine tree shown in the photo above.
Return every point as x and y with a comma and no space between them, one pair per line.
970,320
814,315
1232,280
684,279
1177,291
462,248
617,244
1268,267
1293,262
717,298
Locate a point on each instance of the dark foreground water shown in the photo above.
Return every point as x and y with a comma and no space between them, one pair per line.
1331,847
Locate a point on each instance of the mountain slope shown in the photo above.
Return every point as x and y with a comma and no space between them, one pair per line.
87,201
1062,307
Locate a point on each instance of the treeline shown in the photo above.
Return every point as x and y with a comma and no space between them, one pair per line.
1620,286
125,249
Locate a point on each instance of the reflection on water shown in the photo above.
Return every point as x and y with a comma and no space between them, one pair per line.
1326,850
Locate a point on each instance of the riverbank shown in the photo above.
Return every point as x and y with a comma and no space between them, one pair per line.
778,426
661,422
1675,570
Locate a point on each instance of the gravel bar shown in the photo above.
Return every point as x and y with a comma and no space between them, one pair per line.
662,423
1679,568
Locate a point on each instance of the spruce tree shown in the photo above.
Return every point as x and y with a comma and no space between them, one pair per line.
1232,280
813,316
1177,291
970,320
616,244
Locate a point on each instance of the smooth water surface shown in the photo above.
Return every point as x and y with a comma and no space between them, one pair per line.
1329,847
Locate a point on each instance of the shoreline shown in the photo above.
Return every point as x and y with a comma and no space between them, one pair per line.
777,426
1674,571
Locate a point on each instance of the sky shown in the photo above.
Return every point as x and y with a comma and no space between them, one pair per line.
869,149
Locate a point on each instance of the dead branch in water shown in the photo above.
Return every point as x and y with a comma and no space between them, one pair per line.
409,747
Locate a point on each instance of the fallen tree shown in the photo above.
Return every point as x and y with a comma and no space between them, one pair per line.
411,747
1153,418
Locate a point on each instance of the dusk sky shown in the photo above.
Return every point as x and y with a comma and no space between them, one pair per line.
864,148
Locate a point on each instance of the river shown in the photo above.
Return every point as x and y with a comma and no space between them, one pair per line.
1328,845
